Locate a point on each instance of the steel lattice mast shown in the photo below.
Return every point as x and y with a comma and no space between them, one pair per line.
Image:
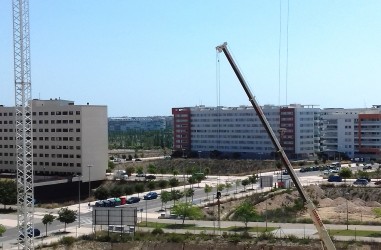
23,115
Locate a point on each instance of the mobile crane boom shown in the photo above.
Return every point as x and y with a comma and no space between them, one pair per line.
324,236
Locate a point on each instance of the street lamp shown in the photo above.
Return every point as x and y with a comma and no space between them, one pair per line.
89,166
79,199
199,162
347,209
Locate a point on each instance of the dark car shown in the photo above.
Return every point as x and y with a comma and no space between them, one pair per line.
361,182
335,178
367,167
150,196
138,159
150,177
132,200
35,233
377,183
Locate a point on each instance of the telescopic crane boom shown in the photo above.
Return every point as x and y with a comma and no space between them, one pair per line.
324,236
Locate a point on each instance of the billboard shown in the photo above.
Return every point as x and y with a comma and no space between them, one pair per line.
266,181
115,216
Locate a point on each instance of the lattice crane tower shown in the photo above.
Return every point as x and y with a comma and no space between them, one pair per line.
23,115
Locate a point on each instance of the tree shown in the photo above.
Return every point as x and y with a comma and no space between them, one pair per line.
176,195
207,190
163,184
151,185
186,209
101,193
151,169
47,219
162,171
199,178
237,183
129,190
189,192
2,229
130,170
111,165
173,182
246,212
206,171
139,170
345,173
253,179
220,187
66,216
228,186
8,192
175,172
192,181
139,188
244,183
165,196
116,191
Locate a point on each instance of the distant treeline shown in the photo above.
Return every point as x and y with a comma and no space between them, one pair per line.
140,139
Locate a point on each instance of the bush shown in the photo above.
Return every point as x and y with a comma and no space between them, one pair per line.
176,238
67,240
157,231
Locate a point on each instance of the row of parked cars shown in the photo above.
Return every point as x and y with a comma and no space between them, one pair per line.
123,200
359,182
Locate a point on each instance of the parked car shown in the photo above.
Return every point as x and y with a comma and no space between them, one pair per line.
31,233
361,182
132,200
150,196
377,183
141,175
150,177
367,167
335,178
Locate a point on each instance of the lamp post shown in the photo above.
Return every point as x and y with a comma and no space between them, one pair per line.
347,209
79,200
199,162
89,166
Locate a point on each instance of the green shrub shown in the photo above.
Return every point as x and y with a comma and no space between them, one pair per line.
157,231
177,238
67,240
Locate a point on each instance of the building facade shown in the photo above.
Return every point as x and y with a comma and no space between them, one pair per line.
68,139
239,130
355,132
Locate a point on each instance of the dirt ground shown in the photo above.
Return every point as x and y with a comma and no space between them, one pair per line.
331,204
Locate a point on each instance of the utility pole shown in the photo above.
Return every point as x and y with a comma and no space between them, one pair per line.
23,120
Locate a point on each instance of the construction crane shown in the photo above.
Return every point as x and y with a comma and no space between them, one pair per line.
23,115
324,236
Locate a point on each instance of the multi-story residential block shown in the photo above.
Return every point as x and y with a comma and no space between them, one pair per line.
120,124
67,139
239,130
355,132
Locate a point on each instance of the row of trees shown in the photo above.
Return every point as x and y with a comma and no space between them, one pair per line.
141,139
65,215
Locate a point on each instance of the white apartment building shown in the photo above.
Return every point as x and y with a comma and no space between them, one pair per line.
239,130
355,132
68,139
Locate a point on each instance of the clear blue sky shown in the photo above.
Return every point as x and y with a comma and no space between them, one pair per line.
141,58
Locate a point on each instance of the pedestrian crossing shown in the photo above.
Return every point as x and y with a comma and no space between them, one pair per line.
86,220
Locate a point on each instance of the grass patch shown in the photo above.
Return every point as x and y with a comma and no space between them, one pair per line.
362,233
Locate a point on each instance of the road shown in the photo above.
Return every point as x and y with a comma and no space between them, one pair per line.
151,209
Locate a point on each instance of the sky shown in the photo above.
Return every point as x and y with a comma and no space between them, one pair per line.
142,58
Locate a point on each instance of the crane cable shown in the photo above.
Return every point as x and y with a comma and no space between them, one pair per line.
280,49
